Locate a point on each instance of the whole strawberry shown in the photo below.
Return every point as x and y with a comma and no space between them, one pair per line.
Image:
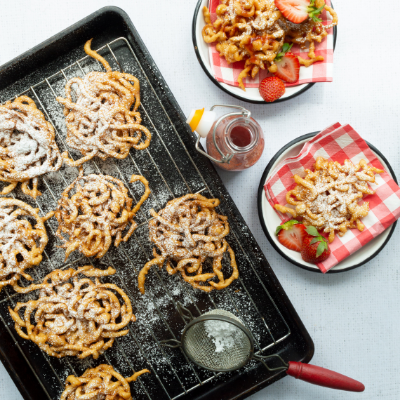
272,89
315,247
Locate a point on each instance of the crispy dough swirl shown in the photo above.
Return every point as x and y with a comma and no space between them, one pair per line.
27,146
328,197
255,31
104,120
21,244
186,232
93,209
102,382
74,319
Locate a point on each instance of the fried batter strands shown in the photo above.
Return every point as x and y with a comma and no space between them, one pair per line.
99,209
328,197
74,319
21,244
103,121
27,146
255,31
97,383
96,56
187,232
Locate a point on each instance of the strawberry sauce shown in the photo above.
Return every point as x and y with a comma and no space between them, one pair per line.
240,136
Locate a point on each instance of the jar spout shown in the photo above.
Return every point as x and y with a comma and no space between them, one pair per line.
201,121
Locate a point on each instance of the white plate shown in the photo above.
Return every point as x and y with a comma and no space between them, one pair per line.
251,95
270,220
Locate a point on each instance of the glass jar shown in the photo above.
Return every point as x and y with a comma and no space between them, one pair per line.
234,142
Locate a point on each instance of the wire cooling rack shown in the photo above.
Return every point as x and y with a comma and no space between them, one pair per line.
171,172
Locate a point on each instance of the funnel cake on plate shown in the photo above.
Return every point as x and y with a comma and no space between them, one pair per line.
93,209
104,120
102,382
254,31
72,316
21,243
187,232
327,198
27,146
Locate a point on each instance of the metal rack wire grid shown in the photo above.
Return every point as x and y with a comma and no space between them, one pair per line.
171,172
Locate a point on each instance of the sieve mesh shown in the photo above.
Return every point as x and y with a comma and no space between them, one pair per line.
199,346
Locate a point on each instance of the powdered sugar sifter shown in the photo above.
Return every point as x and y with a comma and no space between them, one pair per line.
200,349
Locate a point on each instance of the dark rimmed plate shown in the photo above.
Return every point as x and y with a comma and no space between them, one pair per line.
251,95
270,220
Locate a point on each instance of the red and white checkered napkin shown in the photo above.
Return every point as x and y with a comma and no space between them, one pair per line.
322,71
339,143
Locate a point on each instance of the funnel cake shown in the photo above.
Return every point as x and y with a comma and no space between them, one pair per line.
102,382
27,146
21,243
187,232
254,31
74,317
92,210
328,197
104,120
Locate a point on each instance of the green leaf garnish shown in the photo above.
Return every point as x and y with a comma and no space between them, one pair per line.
321,248
323,244
285,48
311,230
287,225
313,11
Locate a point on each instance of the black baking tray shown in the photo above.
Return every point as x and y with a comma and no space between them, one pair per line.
39,376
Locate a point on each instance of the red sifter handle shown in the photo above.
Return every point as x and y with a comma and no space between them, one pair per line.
323,377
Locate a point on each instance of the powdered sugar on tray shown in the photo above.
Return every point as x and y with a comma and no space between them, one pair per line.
171,174
223,334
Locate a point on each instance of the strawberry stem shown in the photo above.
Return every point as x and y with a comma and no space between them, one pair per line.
285,48
313,11
322,247
287,225
323,244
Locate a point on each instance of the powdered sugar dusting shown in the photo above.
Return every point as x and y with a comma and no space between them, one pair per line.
171,175
222,334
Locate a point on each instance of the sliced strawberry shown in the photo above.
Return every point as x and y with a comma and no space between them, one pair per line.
272,89
315,248
294,10
297,11
288,68
291,234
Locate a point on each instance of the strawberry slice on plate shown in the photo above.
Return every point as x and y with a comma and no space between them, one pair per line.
291,234
297,11
288,68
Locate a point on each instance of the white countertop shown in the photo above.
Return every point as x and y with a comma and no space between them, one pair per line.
353,316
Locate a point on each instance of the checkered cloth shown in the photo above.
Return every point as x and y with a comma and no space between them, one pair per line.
322,71
339,143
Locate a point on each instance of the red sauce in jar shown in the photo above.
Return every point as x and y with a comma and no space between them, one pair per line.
247,138
240,136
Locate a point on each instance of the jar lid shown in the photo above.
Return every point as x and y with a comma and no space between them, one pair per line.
201,121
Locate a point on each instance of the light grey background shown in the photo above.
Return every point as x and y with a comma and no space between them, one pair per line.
353,317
